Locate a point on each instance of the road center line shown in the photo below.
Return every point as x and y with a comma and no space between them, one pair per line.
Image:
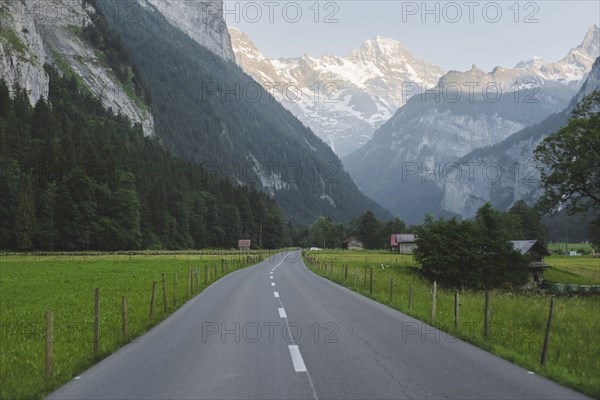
276,294
297,358
282,313
272,283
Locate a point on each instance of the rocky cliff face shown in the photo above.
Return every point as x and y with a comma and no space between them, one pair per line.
201,20
48,31
22,54
342,99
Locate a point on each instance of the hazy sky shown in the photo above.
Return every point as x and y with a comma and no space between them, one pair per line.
485,33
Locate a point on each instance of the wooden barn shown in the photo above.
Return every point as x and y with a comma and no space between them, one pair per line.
353,243
403,243
535,252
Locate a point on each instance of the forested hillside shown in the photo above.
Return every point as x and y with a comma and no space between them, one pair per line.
74,176
207,111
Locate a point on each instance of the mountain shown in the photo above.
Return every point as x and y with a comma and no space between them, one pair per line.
76,174
519,178
201,20
54,32
342,99
405,165
571,70
209,112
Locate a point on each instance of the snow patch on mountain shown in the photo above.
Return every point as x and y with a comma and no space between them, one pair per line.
342,99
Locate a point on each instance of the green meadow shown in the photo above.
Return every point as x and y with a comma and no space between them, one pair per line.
31,285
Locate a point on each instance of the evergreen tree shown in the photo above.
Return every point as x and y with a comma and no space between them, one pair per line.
46,228
368,229
25,220
531,227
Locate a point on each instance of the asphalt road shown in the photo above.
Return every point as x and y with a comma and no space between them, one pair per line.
278,331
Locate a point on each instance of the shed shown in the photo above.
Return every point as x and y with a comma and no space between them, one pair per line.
536,252
403,243
353,243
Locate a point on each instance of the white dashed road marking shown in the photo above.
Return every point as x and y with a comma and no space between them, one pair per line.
297,358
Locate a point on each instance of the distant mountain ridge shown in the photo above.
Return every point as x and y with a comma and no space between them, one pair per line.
372,82
342,99
403,166
570,70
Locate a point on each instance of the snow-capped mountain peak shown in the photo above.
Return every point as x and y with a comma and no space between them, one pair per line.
343,99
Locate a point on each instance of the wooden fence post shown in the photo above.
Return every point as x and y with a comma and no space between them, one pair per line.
124,316
189,282
346,273
547,336
391,290
456,310
433,300
96,320
164,288
152,300
365,278
197,278
205,274
410,297
175,290
355,276
49,338
486,314
371,281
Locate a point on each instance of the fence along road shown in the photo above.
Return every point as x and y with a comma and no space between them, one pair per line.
277,331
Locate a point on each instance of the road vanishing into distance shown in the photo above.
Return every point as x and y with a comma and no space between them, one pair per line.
278,331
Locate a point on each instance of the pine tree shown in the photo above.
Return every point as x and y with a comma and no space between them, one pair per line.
25,221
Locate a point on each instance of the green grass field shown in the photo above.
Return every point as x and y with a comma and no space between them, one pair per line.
30,285
518,320
579,247
582,270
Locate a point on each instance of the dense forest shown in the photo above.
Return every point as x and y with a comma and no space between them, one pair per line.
75,176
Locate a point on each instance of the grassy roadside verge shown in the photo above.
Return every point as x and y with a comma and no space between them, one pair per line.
517,320
65,283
